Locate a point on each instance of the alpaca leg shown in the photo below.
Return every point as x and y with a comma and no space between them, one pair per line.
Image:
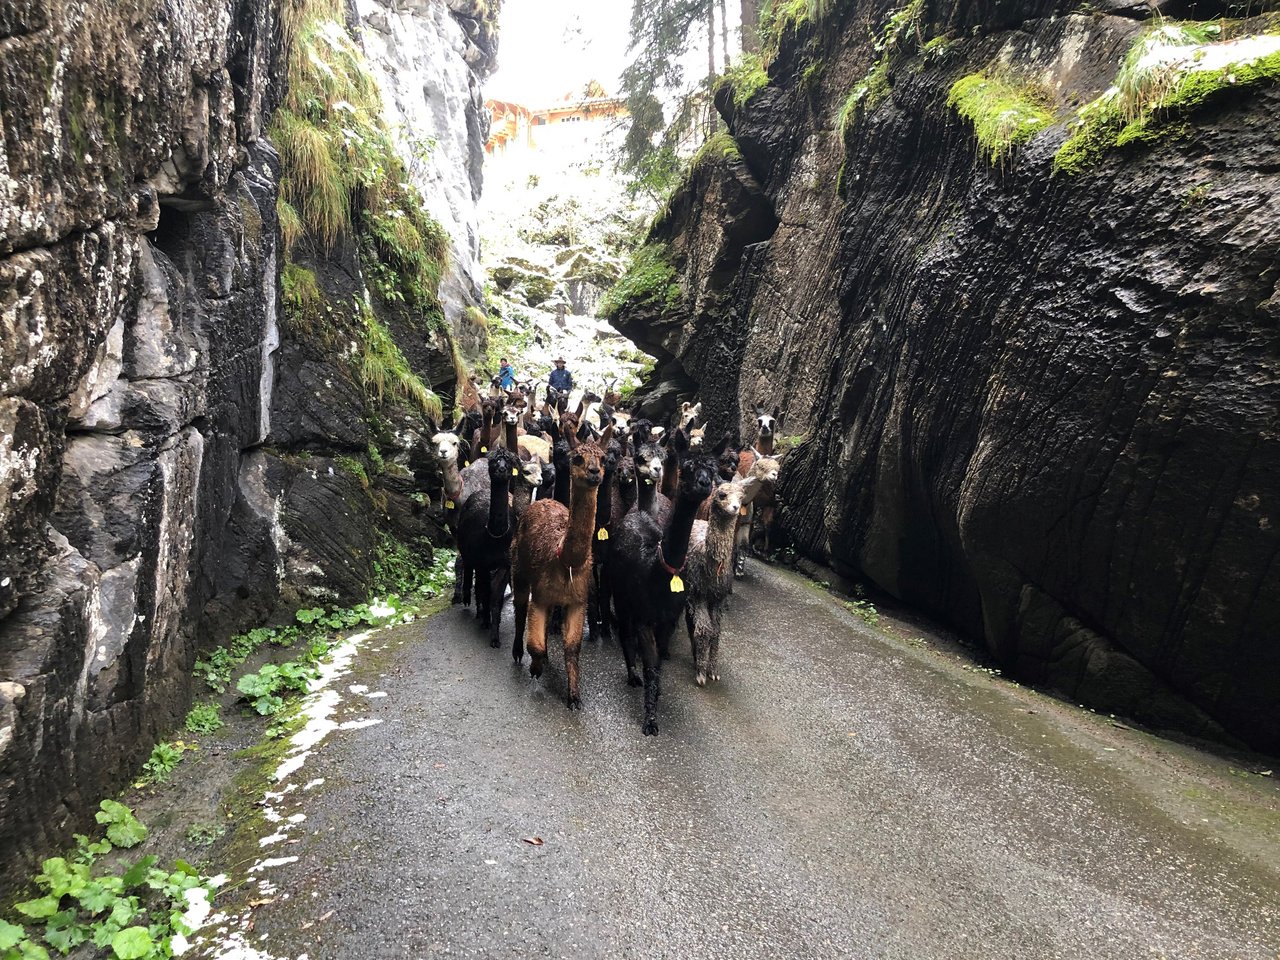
466,581
688,625
652,679
482,596
627,640
497,594
573,620
593,604
714,667
702,644
537,638
603,604
459,569
740,536
520,600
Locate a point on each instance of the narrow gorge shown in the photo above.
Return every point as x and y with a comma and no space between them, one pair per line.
1007,270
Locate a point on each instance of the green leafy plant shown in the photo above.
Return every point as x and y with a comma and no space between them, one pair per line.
205,834
159,767
132,914
262,688
744,79
204,718
864,609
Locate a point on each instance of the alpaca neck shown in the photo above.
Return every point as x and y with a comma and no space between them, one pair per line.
675,538
452,477
512,437
521,497
750,488
562,482
604,500
627,493
646,493
499,507
670,473
719,544
764,446
576,548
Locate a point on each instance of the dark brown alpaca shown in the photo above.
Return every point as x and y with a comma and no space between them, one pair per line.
551,564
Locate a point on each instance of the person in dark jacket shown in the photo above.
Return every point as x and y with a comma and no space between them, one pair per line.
561,379
558,386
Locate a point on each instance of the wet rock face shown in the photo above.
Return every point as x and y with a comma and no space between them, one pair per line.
137,246
1041,407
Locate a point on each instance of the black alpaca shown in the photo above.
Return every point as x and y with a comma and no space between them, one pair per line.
484,540
598,598
645,567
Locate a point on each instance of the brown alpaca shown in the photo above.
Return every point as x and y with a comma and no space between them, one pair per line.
551,564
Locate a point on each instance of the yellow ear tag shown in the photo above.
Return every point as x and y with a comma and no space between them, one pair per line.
466,463
484,449
448,504
742,511
515,472
603,534
648,482
677,585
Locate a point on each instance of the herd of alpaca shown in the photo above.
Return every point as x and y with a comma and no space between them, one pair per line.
595,518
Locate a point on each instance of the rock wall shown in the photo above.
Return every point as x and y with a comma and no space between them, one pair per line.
169,447
1042,407
430,58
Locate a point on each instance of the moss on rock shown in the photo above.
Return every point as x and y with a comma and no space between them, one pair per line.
650,281
1004,114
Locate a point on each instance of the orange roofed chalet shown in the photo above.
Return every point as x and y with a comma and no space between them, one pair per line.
514,124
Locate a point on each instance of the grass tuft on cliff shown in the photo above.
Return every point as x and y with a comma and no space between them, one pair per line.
650,281
1170,72
1004,115
385,372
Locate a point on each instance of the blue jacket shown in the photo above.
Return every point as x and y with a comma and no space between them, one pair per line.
507,375
561,379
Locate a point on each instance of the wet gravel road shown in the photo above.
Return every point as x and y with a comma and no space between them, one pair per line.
839,794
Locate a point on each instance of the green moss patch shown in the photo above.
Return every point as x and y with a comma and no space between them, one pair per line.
1004,115
650,281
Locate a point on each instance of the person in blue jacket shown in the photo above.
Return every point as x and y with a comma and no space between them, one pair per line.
506,375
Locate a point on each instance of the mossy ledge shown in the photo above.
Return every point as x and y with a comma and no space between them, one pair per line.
1146,105
650,281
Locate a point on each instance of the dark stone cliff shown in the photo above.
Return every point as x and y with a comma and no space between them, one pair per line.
171,449
1041,406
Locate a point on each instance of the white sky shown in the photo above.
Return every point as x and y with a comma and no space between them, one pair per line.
547,48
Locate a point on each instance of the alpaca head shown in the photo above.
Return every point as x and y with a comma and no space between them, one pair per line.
626,473
569,424
445,446
696,437
727,500
641,431
532,472
586,461
489,407
765,469
727,453
511,411
697,470
649,463
504,466
689,414
767,423
621,424
612,455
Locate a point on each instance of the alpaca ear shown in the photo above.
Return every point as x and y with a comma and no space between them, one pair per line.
777,415
758,409
679,441
606,436
723,445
